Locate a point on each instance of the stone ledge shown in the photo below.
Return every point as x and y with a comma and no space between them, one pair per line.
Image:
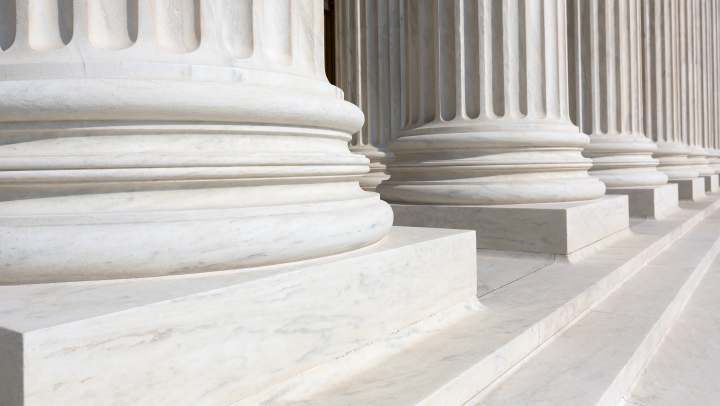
551,228
451,357
712,183
653,202
690,189
213,338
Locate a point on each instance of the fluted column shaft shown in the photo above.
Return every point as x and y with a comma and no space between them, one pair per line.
661,88
369,64
690,84
155,137
606,91
713,57
486,98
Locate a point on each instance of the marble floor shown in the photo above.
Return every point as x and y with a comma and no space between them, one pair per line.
594,359
684,369
452,356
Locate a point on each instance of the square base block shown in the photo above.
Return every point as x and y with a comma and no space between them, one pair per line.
712,183
549,228
690,189
216,338
651,202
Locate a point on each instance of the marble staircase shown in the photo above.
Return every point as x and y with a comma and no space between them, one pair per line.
552,332
595,359
683,368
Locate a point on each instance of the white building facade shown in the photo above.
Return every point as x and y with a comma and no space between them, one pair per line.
490,193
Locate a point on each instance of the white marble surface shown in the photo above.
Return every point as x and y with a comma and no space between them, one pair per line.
653,202
715,153
412,366
690,189
661,86
557,228
694,115
209,339
369,64
607,96
596,358
499,268
477,129
712,183
187,145
683,369
448,360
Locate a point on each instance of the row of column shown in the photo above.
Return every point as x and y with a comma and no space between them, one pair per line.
153,137
497,95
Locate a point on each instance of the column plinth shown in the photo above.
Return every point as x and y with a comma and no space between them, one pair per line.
156,141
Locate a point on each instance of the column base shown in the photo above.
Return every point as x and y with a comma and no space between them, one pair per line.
549,228
690,189
215,338
712,183
653,202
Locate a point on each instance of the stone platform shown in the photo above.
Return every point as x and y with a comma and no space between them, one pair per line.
690,189
653,201
550,228
454,357
712,183
210,339
675,375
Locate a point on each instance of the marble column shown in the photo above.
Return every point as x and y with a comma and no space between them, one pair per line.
144,138
487,119
714,14
690,85
706,115
606,101
661,88
606,90
369,69
712,136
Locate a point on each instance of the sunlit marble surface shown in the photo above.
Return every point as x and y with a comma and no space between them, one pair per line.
653,202
690,189
549,228
209,339
499,268
146,139
685,367
712,183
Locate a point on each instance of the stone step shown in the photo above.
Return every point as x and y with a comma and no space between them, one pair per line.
594,360
211,338
451,357
683,369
